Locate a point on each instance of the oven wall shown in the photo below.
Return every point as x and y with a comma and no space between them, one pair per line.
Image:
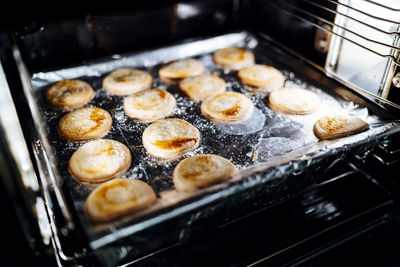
59,42
275,18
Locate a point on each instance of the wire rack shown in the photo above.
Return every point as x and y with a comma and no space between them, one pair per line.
361,12
374,27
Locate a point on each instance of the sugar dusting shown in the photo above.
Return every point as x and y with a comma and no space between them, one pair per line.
266,134
252,125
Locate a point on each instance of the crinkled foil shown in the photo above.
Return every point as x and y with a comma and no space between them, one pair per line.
268,139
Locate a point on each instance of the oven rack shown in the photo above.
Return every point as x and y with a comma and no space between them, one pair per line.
308,13
335,24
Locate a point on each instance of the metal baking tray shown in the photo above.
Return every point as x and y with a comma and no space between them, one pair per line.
263,148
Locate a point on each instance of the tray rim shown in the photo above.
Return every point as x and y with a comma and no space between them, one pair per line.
104,240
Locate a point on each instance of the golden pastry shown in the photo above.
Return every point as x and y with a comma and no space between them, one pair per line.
201,171
339,125
202,86
263,78
149,105
69,94
227,107
234,58
117,198
293,101
100,160
126,81
174,71
85,124
170,138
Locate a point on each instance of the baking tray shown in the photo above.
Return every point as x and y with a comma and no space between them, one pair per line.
268,140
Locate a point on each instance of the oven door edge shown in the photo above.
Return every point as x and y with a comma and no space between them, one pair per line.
61,227
18,176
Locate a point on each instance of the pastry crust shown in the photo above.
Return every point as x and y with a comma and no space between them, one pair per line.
338,125
117,198
126,81
149,105
202,86
234,58
100,160
201,171
264,78
294,101
174,71
84,124
170,138
228,107
69,94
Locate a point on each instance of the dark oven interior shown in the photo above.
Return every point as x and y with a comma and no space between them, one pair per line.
318,211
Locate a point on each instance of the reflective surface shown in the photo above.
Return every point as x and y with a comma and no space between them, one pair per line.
300,226
270,143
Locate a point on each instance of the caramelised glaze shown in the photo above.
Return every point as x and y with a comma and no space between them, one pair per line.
338,125
162,93
234,53
124,77
203,164
116,192
233,111
117,198
149,105
227,107
170,138
84,124
69,94
181,69
98,170
201,171
67,88
234,57
109,150
242,54
174,143
98,117
126,81
331,125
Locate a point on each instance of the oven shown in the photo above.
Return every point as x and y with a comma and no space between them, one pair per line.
295,200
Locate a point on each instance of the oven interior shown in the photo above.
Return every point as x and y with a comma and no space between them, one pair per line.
309,212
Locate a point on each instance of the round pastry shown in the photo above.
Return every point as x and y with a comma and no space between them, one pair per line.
174,71
202,170
117,198
294,101
84,124
69,94
202,86
99,160
234,58
227,107
149,105
263,78
126,81
170,138
338,125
